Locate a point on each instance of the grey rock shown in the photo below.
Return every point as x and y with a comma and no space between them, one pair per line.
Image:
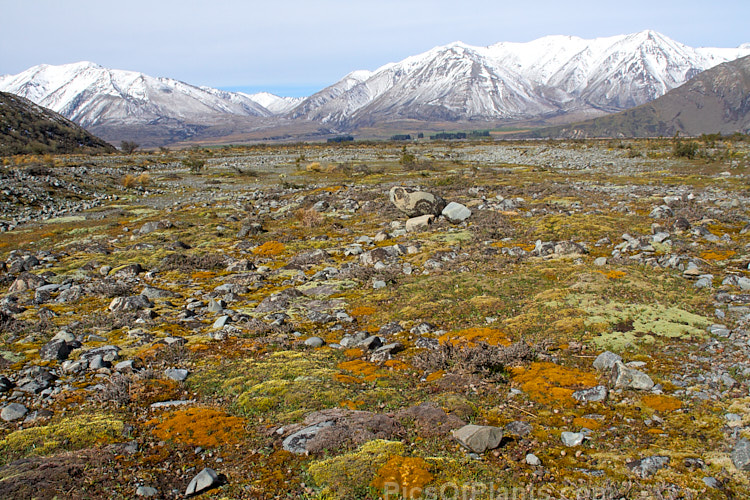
146,491
54,350
606,360
456,212
518,428
600,261
386,352
629,378
415,203
297,442
129,365
741,455
533,460
647,467
478,438
127,304
378,284
205,480
371,343
27,281
315,342
150,227
216,306
221,321
152,292
711,482
13,411
592,395
571,439
177,374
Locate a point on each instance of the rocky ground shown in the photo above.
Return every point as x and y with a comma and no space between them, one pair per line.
469,320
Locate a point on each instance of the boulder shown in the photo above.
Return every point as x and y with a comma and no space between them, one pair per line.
479,438
13,411
456,212
414,203
205,480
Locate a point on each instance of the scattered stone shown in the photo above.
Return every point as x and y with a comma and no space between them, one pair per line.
533,460
455,212
592,395
54,350
146,491
712,482
13,411
478,438
158,293
297,442
27,281
629,378
205,480
647,467
315,342
741,455
571,439
415,203
128,304
150,227
606,360
221,321
177,374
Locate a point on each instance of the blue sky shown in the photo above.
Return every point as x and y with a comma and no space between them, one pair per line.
296,47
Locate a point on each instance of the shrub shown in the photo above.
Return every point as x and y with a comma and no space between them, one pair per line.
194,164
685,149
129,147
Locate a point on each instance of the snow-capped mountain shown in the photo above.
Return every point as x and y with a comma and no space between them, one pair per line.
541,78
92,96
273,103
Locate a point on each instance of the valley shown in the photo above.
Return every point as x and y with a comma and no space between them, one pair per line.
566,319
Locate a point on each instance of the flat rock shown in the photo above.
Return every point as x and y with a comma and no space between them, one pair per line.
13,411
205,480
297,442
479,438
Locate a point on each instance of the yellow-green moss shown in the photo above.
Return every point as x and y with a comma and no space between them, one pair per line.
72,433
349,475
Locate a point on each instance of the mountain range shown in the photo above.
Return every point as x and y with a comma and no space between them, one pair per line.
555,79
715,101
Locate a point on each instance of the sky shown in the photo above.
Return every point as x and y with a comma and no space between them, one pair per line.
297,47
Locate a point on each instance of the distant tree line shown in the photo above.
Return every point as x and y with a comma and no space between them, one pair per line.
341,138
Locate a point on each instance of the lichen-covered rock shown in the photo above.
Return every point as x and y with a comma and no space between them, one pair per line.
629,378
414,203
456,212
647,467
27,281
128,304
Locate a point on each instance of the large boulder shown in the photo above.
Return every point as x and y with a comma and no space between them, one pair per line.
415,203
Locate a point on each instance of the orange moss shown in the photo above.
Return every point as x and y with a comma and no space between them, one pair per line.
199,427
717,254
346,379
472,336
396,364
361,368
435,376
613,275
269,249
548,383
351,405
661,403
363,311
589,423
203,275
410,473
353,353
